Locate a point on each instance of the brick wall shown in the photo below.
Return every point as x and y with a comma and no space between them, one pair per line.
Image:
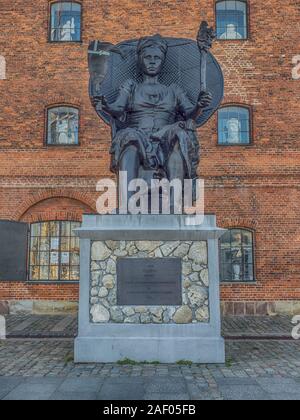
254,186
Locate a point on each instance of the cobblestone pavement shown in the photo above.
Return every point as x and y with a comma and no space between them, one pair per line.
44,369
262,327
66,326
35,326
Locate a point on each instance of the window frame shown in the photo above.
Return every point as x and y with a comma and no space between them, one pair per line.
52,3
248,38
251,125
241,282
61,105
29,280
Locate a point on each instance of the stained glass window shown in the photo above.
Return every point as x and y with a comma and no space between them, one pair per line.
54,251
65,21
62,126
231,19
237,263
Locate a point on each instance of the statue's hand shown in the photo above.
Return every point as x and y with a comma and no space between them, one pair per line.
205,99
100,103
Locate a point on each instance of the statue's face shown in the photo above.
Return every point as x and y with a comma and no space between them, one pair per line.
152,61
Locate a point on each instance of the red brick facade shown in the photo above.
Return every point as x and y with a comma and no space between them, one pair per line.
255,187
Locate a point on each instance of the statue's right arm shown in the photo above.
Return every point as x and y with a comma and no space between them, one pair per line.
119,106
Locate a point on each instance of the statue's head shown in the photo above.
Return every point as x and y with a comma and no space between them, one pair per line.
152,53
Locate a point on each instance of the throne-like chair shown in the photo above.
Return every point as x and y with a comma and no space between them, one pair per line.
110,66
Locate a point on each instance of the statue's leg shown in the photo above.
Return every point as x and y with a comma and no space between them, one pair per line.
175,164
130,163
175,169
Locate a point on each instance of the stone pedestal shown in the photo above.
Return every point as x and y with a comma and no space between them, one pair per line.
186,330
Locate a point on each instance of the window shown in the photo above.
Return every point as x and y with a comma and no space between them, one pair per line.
237,256
62,126
231,19
234,125
54,252
65,21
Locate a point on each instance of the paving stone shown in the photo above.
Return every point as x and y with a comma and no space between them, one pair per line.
162,385
236,381
124,380
244,393
42,381
74,396
276,385
117,391
197,391
85,385
41,390
25,324
284,396
7,384
166,397
63,324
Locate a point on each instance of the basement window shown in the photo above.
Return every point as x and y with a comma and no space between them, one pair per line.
232,20
65,25
62,126
54,251
237,262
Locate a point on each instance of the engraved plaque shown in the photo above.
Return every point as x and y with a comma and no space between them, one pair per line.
148,281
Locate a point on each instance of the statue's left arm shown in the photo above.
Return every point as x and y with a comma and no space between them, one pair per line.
188,109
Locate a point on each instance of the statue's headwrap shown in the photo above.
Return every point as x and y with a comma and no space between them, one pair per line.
152,41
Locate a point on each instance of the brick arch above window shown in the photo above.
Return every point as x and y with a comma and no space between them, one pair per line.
76,203
59,208
57,99
238,222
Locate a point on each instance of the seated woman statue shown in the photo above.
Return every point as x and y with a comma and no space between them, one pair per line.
161,134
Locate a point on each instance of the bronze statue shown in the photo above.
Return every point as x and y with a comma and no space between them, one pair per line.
153,123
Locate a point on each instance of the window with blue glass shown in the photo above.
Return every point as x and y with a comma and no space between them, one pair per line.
234,126
232,19
237,262
65,21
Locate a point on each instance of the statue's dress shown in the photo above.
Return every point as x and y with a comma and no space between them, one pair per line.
156,118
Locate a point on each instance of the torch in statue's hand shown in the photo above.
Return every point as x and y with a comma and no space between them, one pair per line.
205,38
